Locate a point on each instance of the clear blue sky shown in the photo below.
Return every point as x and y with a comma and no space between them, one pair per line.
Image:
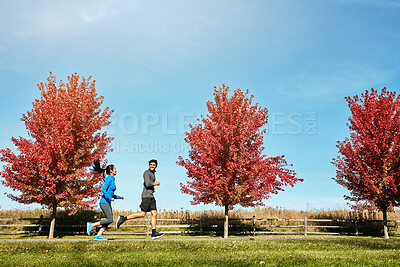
156,63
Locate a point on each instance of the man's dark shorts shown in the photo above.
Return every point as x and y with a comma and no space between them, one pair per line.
148,204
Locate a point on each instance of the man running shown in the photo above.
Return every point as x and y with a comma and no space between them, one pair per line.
148,201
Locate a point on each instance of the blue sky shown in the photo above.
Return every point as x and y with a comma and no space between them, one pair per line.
156,63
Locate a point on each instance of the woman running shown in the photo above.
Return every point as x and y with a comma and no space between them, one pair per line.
105,201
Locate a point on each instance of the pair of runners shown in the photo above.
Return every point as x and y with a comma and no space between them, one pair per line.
148,201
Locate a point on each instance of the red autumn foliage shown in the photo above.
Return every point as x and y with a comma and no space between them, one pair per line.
369,164
225,162
64,129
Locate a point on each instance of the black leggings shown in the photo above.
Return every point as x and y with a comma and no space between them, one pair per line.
106,208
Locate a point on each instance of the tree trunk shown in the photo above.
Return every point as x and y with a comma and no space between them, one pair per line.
226,222
385,228
53,222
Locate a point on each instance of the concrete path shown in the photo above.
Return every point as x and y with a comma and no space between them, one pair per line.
167,239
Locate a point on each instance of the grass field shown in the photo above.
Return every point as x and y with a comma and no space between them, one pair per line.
237,252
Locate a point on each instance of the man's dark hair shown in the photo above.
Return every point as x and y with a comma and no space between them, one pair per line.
153,161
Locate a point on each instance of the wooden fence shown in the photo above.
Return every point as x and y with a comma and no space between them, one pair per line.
34,226
206,226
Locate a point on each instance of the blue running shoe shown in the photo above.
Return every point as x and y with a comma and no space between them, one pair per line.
99,237
89,228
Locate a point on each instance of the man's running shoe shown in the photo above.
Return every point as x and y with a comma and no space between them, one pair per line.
156,235
89,228
99,237
120,220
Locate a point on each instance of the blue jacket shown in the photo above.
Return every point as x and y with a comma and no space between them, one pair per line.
108,190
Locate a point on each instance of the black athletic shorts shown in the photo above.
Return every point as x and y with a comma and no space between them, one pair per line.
148,204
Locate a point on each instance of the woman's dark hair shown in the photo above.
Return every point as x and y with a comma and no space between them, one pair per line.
153,161
98,169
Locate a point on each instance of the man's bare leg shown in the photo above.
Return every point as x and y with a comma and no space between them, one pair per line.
136,215
154,233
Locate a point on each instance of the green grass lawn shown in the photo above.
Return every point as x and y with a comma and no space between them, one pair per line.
284,252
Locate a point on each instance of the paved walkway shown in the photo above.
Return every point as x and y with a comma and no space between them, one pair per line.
167,239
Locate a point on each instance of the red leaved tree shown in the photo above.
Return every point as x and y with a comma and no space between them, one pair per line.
369,164
64,129
226,162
